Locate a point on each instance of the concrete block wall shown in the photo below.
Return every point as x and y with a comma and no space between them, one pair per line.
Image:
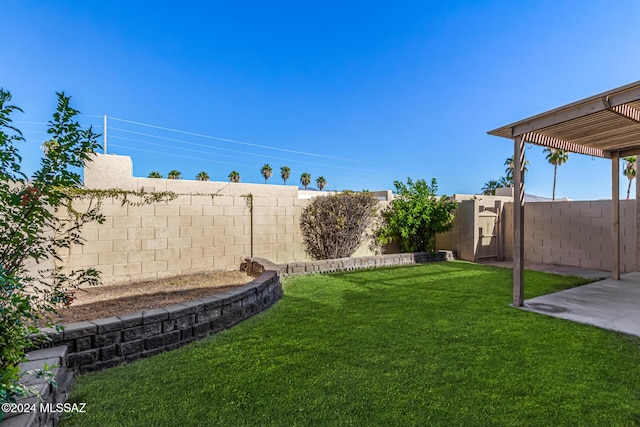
575,233
210,226
191,234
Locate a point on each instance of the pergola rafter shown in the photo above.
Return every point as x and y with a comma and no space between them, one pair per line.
605,125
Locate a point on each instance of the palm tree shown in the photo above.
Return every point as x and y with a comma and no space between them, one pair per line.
202,176
285,172
629,171
321,182
490,187
174,174
266,172
154,174
503,182
305,179
234,176
556,158
509,171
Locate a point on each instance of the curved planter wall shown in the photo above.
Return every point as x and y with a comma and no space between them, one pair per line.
108,342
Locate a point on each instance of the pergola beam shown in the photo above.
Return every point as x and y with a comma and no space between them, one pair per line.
574,111
629,152
628,112
559,144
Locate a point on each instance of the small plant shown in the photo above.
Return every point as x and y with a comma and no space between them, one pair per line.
414,216
37,222
334,226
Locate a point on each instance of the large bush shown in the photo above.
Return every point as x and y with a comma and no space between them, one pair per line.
33,232
333,226
414,216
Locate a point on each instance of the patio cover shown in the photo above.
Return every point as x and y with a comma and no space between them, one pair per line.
605,125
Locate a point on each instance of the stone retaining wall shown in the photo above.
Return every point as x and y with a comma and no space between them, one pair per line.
345,264
104,343
42,410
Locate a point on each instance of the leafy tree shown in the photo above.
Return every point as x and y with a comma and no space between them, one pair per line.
321,182
266,172
305,180
334,226
234,176
629,171
202,176
490,187
285,173
174,174
34,231
503,182
415,215
556,158
154,174
510,165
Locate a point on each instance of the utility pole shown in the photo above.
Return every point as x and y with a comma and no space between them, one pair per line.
104,135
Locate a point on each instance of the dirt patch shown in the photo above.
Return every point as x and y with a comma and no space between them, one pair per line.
111,300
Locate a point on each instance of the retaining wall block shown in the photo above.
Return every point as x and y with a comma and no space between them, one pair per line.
107,339
129,348
108,324
139,332
202,329
168,325
108,352
154,316
83,343
208,315
185,321
83,357
186,334
171,338
154,342
131,319
78,330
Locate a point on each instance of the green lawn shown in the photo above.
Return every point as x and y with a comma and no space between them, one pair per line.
434,344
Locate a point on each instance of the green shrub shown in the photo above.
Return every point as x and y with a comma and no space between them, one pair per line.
414,216
333,226
33,231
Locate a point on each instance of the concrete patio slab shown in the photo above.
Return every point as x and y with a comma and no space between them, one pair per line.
609,304
564,270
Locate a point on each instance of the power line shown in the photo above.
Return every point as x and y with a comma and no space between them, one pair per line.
176,155
234,141
222,149
361,173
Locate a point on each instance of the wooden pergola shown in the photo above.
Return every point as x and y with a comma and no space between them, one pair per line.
605,125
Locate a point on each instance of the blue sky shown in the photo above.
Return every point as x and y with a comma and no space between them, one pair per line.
372,91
